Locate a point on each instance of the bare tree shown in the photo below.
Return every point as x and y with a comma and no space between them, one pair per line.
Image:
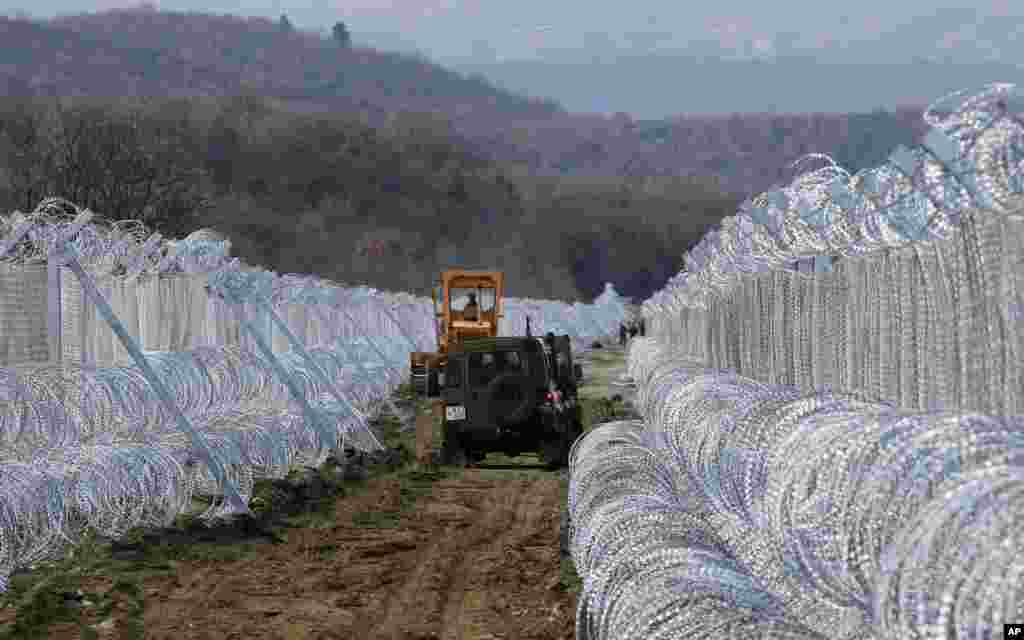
125,166
26,154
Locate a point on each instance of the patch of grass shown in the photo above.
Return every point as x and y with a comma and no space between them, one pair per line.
390,428
508,476
223,553
413,484
161,551
606,355
528,460
321,513
376,519
604,409
312,519
39,603
269,498
136,605
524,458
39,597
291,509
404,392
568,578
416,484
327,551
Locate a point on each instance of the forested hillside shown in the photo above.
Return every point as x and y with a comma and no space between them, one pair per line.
146,52
369,166
326,194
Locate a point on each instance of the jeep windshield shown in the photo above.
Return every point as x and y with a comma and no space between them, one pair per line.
485,367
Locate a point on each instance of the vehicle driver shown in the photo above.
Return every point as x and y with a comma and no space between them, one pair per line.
472,311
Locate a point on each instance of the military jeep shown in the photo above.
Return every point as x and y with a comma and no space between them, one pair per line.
510,395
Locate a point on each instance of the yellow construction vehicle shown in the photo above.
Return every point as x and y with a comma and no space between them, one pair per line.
453,322
493,394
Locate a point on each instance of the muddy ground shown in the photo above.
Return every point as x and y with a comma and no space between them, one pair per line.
392,552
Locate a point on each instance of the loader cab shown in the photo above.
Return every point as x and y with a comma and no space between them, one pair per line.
486,303
453,295
453,325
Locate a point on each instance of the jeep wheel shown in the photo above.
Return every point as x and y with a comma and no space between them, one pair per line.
555,448
554,452
452,453
510,399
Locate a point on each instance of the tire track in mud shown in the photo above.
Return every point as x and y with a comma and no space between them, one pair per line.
277,591
448,594
522,507
476,559
421,587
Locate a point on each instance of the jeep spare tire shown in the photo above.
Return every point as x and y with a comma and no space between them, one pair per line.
510,399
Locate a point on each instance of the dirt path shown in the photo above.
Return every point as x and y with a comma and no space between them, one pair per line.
477,558
474,557
487,565
463,554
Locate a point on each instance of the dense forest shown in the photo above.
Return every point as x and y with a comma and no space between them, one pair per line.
328,195
367,166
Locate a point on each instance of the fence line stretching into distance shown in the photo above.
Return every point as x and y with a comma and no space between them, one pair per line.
155,370
832,442
917,296
746,501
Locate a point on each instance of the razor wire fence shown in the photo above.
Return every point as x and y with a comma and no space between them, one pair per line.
917,294
147,371
739,508
831,443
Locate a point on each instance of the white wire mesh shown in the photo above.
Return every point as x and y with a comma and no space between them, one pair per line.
84,442
821,511
23,325
920,304
847,439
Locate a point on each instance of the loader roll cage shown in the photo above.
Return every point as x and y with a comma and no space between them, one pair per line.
450,301
451,325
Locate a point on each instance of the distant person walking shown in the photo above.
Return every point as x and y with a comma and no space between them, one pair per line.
632,330
622,334
643,328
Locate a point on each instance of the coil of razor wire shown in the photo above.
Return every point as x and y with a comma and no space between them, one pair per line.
973,157
122,480
856,519
651,562
86,448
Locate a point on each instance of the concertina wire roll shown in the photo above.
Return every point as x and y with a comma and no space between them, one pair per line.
87,448
831,443
915,295
742,509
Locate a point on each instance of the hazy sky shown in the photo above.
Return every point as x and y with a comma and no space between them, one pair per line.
504,29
